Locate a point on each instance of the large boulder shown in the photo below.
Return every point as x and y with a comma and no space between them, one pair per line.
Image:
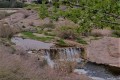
104,51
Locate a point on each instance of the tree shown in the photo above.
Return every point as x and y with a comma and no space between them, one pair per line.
93,14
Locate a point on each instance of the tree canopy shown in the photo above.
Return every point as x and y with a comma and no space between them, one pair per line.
102,13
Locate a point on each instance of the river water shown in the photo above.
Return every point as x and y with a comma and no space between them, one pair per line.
96,72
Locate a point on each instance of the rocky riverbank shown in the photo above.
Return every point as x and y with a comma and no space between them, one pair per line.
28,32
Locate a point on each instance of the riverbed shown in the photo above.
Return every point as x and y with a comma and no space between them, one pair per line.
95,71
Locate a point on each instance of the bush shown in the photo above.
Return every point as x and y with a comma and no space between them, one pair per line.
5,30
97,34
49,26
43,11
116,33
61,43
80,40
67,32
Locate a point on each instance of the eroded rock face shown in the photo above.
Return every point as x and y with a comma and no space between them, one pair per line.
104,51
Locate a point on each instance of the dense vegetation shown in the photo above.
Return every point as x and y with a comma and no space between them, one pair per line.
89,14
83,17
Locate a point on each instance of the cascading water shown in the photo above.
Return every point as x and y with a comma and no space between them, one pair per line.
41,49
62,54
70,54
48,59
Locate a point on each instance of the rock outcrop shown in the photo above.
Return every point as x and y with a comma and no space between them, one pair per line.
104,51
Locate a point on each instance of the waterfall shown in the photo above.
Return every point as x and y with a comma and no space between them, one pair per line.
70,54
62,54
48,59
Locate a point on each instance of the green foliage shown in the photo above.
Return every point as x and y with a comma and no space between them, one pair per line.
93,14
43,11
72,14
41,8
67,32
80,40
61,43
116,33
54,16
32,6
88,14
56,3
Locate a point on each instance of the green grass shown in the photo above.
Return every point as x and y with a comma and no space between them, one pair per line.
32,36
80,40
61,43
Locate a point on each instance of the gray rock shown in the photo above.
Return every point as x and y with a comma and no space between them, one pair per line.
104,51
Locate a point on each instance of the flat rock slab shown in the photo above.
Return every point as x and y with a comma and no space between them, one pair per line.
29,44
104,51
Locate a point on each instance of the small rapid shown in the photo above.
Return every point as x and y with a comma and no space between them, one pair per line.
95,71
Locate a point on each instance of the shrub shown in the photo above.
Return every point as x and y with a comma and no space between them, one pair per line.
116,33
61,43
97,34
80,40
55,16
49,26
67,32
5,30
43,12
